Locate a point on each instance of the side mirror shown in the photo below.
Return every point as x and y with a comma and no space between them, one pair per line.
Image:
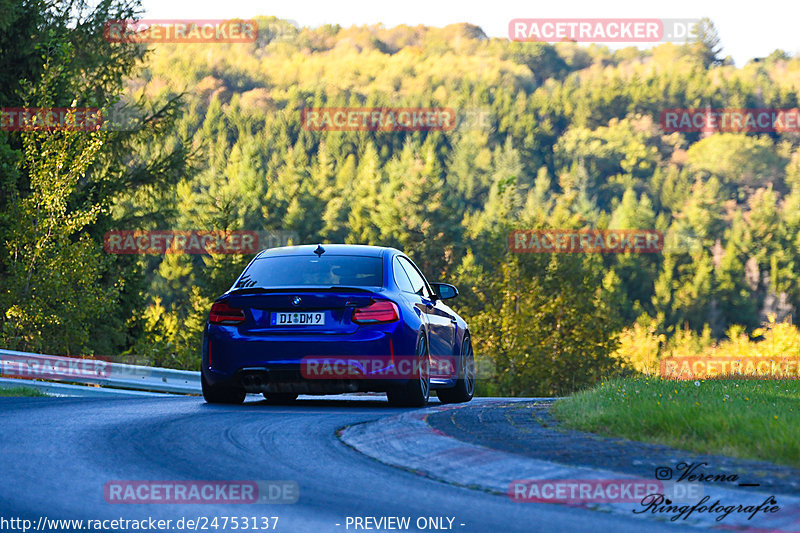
445,291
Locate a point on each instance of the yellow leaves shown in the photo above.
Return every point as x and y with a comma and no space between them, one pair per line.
639,348
778,341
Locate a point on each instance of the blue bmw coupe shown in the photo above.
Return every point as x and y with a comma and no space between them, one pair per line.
335,318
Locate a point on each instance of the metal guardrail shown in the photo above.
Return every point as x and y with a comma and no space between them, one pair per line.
28,369
51,388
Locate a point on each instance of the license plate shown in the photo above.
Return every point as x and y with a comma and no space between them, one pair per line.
297,319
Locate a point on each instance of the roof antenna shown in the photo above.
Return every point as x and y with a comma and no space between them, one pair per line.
319,251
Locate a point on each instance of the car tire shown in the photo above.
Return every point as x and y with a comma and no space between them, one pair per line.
465,381
221,394
416,392
280,398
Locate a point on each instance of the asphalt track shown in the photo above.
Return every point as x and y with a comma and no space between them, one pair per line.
58,454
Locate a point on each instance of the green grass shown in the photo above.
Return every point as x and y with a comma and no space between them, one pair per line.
21,391
752,419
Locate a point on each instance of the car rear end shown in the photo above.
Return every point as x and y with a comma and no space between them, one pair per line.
291,305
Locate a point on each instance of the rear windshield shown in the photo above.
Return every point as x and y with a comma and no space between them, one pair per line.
328,270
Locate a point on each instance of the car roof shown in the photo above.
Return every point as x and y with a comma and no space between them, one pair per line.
332,249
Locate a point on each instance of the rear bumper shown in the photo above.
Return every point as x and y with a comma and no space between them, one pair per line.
290,380
273,363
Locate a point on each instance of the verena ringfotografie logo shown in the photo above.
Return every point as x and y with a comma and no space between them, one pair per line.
202,492
730,120
180,31
605,30
693,368
378,118
50,119
586,241
52,367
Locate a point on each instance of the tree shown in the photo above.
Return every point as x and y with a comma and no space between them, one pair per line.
412,214
58,291
705,43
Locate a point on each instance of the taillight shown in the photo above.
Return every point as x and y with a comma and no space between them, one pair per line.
222,313
376,312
